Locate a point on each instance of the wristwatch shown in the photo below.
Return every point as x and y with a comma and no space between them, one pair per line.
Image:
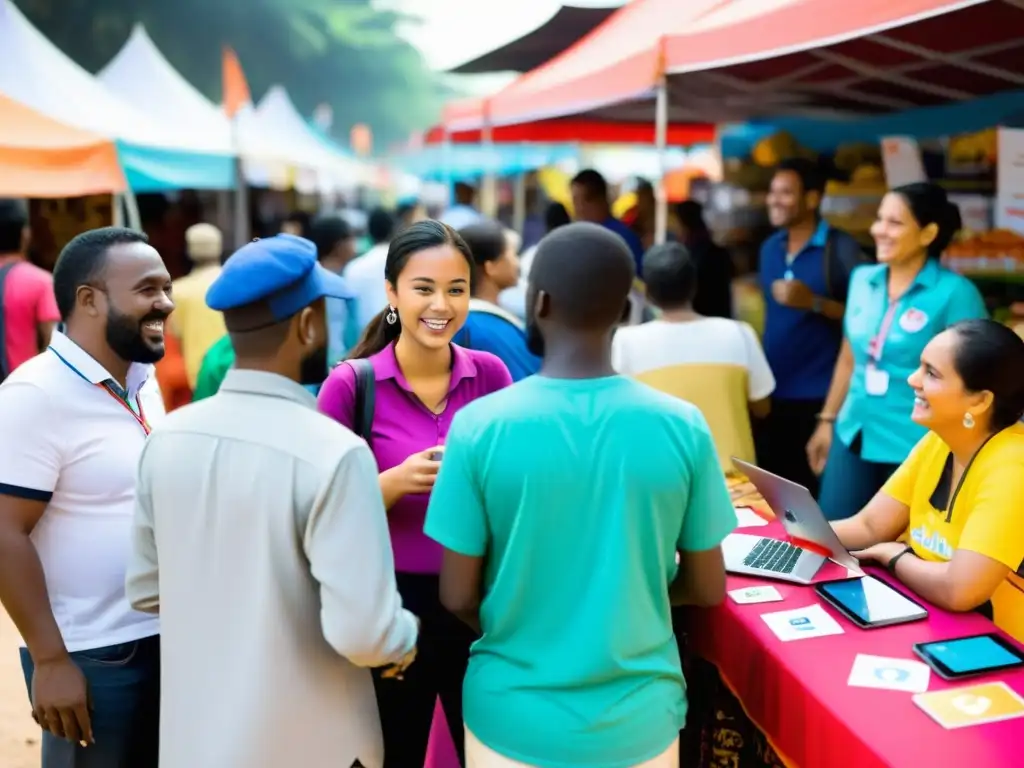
817,305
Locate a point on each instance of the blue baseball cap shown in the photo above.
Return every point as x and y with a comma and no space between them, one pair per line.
282,270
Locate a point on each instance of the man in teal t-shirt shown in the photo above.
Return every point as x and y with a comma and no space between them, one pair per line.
562,503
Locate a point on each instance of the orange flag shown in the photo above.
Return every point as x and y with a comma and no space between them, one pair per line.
236,89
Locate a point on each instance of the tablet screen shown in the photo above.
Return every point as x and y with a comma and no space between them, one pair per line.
971,654
872,601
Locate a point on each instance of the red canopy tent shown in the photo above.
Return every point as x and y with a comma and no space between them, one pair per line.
585,131
567,26
727,60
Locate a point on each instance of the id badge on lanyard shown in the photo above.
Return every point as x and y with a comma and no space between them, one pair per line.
876,380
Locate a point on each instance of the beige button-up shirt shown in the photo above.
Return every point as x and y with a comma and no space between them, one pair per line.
261,539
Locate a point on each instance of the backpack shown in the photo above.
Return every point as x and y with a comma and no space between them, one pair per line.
365,396
5,366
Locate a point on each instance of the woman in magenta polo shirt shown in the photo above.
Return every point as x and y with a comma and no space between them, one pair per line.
421,381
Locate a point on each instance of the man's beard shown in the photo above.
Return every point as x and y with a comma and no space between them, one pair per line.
124,336
314,368
534,339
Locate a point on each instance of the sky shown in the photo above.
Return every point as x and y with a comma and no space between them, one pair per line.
454,31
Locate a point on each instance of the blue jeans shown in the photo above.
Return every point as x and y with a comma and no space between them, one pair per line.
124,691
850,482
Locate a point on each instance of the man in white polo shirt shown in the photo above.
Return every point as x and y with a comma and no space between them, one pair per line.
75,419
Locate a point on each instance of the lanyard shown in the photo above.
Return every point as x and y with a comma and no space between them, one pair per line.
960,484
140,417
877,344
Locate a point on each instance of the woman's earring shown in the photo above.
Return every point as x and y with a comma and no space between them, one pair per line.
392,316
969,420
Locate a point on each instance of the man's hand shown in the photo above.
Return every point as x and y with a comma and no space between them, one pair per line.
60,700
397,671
793,294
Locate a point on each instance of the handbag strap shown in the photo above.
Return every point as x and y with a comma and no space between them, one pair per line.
365,396
5,369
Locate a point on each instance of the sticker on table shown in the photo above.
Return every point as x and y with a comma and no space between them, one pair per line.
971,705
889,674
802,623
747,517
765,594
913,320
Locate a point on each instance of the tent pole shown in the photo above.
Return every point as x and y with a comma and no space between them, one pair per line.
241,196
519,211
132,207
660,139
116,211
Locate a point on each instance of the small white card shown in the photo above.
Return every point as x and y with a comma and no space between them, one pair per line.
748,518
749,595
890,674
802,623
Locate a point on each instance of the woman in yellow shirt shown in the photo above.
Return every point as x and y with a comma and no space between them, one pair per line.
949,523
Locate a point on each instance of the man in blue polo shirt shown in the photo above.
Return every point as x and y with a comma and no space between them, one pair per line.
805,274
590,203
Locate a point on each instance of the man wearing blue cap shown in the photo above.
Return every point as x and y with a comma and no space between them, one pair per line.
272,569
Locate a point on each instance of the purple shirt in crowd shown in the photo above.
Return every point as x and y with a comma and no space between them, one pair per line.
402,426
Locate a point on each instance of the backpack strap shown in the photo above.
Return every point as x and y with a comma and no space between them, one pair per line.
830,266
365,397
5,368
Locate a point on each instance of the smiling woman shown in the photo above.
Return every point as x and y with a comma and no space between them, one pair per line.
420,381
947,522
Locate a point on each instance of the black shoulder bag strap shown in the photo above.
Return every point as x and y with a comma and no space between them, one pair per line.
5,369
362,408
830,265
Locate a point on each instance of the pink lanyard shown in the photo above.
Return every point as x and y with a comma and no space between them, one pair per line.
877,344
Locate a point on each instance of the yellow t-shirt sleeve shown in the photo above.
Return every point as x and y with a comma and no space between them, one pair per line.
900,485
994,526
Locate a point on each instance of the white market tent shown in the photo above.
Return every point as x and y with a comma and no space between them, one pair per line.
34,72
140,75
277,116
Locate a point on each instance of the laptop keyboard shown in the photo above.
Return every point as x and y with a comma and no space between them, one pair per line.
773,555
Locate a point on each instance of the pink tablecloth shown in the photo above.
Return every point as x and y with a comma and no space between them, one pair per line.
441,751
797,691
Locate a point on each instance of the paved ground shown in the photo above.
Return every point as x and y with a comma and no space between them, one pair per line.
19,736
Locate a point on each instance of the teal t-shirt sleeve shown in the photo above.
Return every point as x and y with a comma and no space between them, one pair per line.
710,516
455,515
965,303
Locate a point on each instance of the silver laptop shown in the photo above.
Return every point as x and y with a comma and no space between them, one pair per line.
802,518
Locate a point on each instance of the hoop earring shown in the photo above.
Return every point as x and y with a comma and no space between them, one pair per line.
391,317
969,420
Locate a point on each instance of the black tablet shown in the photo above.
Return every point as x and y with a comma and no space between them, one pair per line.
870,603
967,656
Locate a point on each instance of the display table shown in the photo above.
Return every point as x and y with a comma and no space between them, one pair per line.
796,692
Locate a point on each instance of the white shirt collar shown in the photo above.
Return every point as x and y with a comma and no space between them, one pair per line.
86,366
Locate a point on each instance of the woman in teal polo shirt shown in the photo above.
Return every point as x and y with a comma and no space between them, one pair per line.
893,310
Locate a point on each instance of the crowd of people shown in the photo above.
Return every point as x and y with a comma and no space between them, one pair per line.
426,473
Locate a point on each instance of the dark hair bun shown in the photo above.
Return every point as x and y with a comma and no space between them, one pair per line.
990,357
929,204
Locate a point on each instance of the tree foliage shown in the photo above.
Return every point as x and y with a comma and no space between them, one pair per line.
342,52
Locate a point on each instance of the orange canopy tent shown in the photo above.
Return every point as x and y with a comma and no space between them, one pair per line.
733,60
40,157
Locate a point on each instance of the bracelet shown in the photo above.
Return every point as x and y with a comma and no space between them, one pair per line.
827,418
891,567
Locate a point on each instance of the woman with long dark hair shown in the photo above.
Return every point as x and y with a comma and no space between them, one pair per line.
421,380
